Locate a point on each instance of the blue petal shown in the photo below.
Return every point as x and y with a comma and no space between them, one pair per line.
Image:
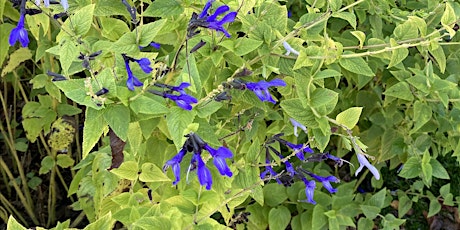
309,190
204,175
204,13
19,33
364,162
219,10
65,4
219,156
230,17
175,164
144,63
155,45
132,80
277,82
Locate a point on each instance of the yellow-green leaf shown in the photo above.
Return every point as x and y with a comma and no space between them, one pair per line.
350,117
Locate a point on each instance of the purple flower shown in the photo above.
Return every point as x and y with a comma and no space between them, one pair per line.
196,145
269,169
184,100
204,175
309,190
19,33
133,81
261,89
364,162
326,181
219,156
299,149
175,164
155,45
297,124
210,21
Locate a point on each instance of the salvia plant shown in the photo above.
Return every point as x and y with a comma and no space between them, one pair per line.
241,114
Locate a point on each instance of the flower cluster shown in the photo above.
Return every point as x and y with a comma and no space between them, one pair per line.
210,21
299,172
133,81
196,145
182,100
19,33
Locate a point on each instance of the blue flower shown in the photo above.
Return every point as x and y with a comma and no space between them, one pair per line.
65,4
309,190
155,45
211,22
364,162
289,49
261,89
297,124
219,156
299,149
175,164
19,33
326,181
184,100
269,169
204,175
196,145
133,81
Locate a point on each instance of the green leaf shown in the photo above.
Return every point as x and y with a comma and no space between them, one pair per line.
69,110
440,58
46,165
151,173
113,28
147,105
177,121
153,222
319,220
434,208
81,21
327,73
164,8
68,53
109,8
422,114
126,44
438,170
448,18
279,190
102,223
370,211
404,205
361,36
64,160
411,169
244,46
13,224
349,17
92,129
324,100
127,170
75,90
118,118
350,117
445,190
356,65
378,199
397,55
149,31
5,30
400,90
295,109
365,223
279,218
16,58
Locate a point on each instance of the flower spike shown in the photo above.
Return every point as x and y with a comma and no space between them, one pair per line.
364,162
261,89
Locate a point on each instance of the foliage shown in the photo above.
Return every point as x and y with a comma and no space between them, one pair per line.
106,95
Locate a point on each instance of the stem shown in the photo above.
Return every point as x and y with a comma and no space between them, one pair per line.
52,195
11,209
23,199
